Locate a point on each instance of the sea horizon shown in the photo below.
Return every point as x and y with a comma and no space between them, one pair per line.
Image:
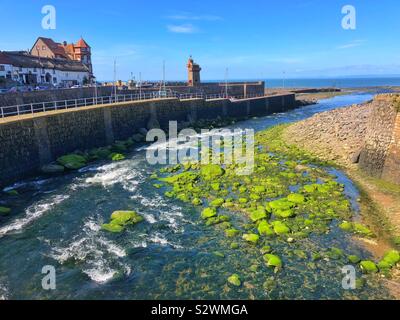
339,82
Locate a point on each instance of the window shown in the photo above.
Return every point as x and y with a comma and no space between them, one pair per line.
2,68
54,71
44,48
20,69
34,69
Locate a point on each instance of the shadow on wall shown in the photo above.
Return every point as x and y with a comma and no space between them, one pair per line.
380,156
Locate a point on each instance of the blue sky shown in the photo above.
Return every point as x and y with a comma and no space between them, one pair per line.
253,38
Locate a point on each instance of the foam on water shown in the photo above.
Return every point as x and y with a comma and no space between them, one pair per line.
3,292
33,213
99,256
161,239
123,173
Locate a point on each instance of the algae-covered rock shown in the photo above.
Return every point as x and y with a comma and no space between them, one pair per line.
258,214
116,157
281,204
362,230
112,227
335,253
251,237
356,228
208,213
353,259
284,214
280,228
391,258
265,229
197,202
235,280
211,171
217,220
368,266
124,217
120,219
296,198
5,211
266,249
234,245
230,233
72,161
52,169
217,202
346,226
273,261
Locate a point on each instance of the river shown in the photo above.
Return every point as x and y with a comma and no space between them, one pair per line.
56,221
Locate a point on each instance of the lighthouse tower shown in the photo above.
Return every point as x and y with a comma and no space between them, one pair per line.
193,72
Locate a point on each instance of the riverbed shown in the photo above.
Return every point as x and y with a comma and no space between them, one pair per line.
171,255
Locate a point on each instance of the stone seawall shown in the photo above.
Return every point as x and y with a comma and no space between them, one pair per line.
380,156
30,141
234,89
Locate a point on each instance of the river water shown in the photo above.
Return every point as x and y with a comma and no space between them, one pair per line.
56,221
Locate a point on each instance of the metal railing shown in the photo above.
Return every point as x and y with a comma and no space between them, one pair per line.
31,108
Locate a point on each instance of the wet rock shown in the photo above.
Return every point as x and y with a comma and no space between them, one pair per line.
72,161
121,219
235,280
368,266
273,261
52,169
4,211
116,157
251,237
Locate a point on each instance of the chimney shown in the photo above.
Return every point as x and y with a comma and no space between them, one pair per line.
65,43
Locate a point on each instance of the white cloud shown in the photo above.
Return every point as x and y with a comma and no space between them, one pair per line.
352,44
188,16
183,28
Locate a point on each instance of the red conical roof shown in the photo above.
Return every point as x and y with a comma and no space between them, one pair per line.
82,44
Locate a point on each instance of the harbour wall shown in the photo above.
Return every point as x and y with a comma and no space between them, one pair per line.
31,141
380,155
234,89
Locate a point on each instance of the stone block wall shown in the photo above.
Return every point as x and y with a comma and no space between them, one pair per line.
234,89
30,141
380,154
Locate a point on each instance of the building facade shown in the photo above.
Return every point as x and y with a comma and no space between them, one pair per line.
48,48
27,69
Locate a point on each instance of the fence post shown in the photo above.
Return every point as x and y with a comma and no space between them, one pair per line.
44,107
2,112
76,103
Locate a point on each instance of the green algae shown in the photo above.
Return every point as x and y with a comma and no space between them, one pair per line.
273,261
280,228
208,213
231,233
287,199
296,198
356,228
251,237
211,171
72,161
217,202
235,280
116,157
368,266
4,211
121,219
